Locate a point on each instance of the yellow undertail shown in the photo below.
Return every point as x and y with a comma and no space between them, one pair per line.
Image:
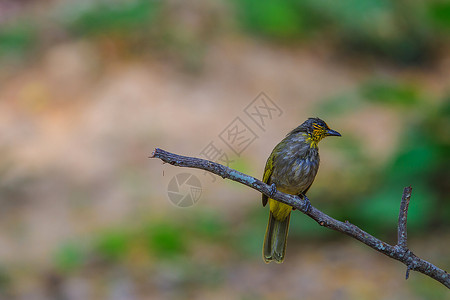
276,233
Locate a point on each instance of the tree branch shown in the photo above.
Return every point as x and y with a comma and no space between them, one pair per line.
398,252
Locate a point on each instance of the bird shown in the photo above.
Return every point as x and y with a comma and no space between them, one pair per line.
291,168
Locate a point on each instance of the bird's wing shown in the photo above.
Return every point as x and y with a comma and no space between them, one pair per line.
268,170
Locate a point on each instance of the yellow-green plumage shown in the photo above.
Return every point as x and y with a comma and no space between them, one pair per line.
292,167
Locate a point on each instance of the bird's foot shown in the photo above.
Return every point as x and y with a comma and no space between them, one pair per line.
273,189
307,204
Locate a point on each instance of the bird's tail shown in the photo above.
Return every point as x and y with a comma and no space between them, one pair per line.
275,239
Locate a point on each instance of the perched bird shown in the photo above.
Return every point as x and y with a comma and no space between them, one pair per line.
291,168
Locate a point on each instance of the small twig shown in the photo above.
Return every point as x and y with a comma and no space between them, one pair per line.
402,236
402,218
396,252
407,272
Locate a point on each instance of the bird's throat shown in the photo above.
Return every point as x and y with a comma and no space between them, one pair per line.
312,140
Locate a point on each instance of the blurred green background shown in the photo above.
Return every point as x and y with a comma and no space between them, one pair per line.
89,88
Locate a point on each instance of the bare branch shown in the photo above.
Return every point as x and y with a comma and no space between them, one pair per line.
398,252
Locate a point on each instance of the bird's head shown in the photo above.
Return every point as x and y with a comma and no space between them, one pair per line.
315,130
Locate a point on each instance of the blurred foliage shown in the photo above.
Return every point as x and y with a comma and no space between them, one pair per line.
420,160
5,281
402,31
103,18
69,256
390,93
17,39
113,245
209,225
339,104
428,289
439,12
247,236
165,239
274,19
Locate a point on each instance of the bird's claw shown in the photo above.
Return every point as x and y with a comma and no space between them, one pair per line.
273,189
307,204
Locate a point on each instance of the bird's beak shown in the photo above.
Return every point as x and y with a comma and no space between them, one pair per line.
333,132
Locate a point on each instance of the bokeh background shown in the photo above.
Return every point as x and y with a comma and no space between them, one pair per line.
89,88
